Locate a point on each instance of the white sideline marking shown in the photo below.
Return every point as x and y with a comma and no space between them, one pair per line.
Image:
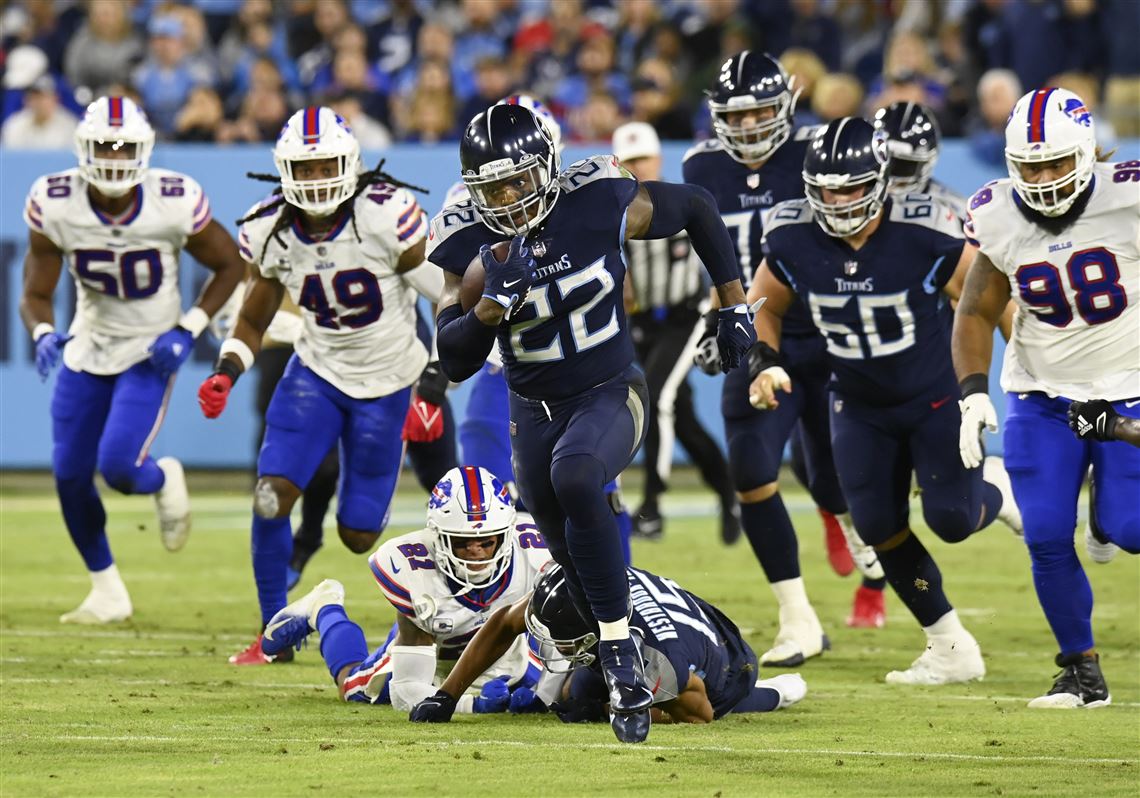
1014,699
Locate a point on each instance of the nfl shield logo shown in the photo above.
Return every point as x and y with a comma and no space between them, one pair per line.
753,180
539,249
321,251
838,405
850,267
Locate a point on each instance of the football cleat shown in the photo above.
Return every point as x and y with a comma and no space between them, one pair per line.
837,552
948,659
1099,547
100,606
291,625
791,687
253,655
1080,684
630,698
869,610
173,504
800,638
303,551
865,557
993,472
647,523
730,528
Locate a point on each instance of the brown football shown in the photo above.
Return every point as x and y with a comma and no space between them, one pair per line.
472,289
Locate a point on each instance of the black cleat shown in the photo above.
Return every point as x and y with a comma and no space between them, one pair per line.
730,528
1080,684
303,550
648,523
630,698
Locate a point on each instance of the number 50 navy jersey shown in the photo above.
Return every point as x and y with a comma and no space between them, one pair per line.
570,334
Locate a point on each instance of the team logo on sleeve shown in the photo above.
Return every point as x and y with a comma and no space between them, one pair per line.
440,494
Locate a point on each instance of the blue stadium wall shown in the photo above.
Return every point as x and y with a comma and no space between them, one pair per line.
25,431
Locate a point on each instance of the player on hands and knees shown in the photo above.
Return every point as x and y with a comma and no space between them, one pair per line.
122,227
756,161
553,300
874,271
341,242
698,660
1061,236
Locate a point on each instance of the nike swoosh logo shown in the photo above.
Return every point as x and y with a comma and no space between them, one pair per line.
742,328
273,627
512,282
395,568
939,403
1132,404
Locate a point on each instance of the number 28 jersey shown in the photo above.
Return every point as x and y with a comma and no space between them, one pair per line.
126,268
1077,330
358,328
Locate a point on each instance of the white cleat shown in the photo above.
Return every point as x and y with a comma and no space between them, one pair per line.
865,557
993,472
791,687
800,638
291,625
1099,552
173,504
948,659
100,607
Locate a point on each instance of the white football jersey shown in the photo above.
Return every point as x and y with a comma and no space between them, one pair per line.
358,321
1077,330
406,574
125,269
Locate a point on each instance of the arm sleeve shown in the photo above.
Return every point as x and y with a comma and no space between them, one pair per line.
680,206
413,674
427,279
463,341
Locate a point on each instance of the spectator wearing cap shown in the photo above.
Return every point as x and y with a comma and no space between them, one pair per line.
105,49
998,91
663,295
166,78
42,124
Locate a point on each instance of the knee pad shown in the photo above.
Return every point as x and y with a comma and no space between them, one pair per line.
269,500
749,462
357,541
951,523
119,471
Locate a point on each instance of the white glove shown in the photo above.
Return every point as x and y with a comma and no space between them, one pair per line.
977,412
767,382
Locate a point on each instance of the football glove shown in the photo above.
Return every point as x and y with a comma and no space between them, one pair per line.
1096,420
424,422
707,356
505,283
213,393
434,709
735,335
977,414
171,349
494,697
580,710
49,351
524,699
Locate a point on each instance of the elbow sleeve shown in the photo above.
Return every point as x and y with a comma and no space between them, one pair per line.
463,342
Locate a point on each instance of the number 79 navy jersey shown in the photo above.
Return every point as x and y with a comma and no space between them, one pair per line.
880,308
571,333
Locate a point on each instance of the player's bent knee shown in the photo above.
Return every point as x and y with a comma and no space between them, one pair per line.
274,497
951,524
357,541
1046,553
119,472
576,478
760,494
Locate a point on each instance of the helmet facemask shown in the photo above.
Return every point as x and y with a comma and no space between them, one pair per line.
512,198
1053,197
472,574
842,219
560,654
320,196
910,171
754,143
113,143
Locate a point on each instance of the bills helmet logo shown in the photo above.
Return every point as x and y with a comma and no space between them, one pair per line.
440,494
1076,110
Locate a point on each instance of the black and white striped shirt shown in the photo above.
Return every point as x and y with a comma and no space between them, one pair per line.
666,274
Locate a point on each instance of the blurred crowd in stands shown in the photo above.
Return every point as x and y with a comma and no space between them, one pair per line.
227,71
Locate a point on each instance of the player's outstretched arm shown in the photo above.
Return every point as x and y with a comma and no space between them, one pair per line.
464,339
215,249
42,267
764,365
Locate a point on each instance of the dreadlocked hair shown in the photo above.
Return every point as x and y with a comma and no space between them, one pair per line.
288,214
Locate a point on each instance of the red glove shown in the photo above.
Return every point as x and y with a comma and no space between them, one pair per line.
213,393
424,422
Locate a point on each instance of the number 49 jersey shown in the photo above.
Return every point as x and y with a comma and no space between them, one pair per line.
358,319
1077,330
126,268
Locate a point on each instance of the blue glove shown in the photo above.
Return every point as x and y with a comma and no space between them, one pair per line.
735,334
494,697
504,283
524,699
49,350
171,349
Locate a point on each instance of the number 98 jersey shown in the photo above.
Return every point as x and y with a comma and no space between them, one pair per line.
1077,330
126,268
358,319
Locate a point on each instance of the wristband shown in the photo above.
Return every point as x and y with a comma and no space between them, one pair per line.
238,348
761,357
975,383
229,368
42,329
194,321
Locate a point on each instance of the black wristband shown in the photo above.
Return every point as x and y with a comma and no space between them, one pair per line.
229,368
760,357
975,383
432,384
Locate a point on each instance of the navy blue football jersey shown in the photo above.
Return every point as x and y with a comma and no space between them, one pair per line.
880,308
746,196
571,333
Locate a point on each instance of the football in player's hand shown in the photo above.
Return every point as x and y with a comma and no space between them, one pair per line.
472,289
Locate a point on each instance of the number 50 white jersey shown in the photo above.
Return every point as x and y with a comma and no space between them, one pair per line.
126,268
358,320
1077,330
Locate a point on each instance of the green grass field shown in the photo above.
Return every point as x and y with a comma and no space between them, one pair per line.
152,708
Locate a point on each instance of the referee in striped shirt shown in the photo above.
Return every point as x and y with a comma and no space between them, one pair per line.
664,290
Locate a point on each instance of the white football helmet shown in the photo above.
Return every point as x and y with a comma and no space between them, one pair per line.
539,109
119,123
313,134
1045,125
471,502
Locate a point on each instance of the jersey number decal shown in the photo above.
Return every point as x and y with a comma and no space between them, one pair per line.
1094,277
356,289
850,344
531,538
412,551
583,337
140,272
741,223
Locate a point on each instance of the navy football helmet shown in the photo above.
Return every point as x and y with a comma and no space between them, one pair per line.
844,157
749,81
912,139
565,639
510,166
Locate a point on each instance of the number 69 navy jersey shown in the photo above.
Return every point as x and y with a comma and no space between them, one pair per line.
878,307
570,334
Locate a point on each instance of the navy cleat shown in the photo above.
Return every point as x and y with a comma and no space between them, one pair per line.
291,625
630,698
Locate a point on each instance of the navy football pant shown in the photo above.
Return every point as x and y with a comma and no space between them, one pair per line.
105,423
1047,464
564,454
